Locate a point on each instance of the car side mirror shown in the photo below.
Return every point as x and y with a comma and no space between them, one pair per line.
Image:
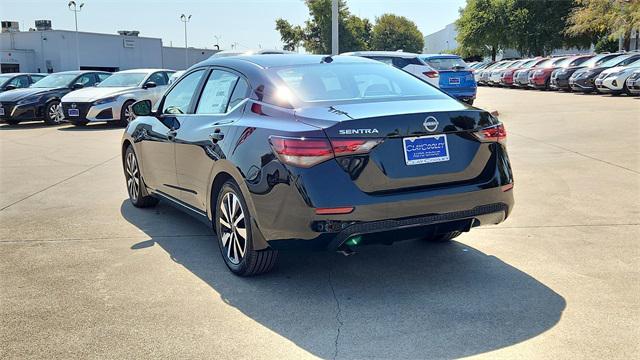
142,108
77,86
149,85
10,87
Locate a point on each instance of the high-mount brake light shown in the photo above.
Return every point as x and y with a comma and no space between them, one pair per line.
307,152
495,133
431,74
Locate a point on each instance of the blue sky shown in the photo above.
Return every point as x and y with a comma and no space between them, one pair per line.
250,23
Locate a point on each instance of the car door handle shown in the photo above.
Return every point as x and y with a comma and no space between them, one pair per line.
171,135
216,136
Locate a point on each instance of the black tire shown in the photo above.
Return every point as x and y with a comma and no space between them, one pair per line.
138,196
12,122
625,89
53,113
237,220
469,102
439,238
125,113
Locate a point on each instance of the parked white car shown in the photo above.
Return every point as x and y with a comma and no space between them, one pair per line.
111,100
406,61
614,80
633,82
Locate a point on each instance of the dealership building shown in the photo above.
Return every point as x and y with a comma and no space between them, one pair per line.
46,50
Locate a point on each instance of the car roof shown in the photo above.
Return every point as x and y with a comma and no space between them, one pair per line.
22,73
400,54
442,56
280,60
148,71
80,72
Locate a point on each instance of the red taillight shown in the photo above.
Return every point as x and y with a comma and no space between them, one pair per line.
306,152
431,74
496,133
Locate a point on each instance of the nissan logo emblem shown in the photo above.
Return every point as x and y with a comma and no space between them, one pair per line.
73,106
430,123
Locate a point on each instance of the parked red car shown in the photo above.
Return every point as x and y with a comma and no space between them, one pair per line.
541,77
507,75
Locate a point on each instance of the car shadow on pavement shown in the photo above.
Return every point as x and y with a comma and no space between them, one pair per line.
28,126
410,300
93,127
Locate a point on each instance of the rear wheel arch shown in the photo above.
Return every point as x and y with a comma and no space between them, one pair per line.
226,173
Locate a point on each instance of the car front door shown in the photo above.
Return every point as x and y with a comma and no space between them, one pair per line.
202,138
156,138
161,80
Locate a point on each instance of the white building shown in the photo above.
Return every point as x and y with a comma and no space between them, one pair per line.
442,41
55,50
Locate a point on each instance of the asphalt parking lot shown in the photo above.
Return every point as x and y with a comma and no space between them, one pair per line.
86,275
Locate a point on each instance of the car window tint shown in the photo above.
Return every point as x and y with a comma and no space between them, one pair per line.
86,80
400,62
178,99
239,93
103,77
385,60
35,78
21,81
158,78
216,93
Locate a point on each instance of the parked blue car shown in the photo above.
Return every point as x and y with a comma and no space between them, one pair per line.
456,78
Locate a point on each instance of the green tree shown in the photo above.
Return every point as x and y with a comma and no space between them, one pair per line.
392,32
536,27
354,33
481,27
614,18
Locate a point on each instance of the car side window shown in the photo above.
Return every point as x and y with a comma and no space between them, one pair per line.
21,81
36,78
400,62
216,93
102,77
239,93
179,97
86,80
159,78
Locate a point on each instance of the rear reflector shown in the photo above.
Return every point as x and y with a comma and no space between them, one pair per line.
307,152
506,187
496,133
431,74
334,211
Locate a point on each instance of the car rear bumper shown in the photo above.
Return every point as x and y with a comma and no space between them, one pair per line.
286,215
462,93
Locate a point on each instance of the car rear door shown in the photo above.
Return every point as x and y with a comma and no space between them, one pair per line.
202,138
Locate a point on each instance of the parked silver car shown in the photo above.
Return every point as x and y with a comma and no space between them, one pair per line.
111,100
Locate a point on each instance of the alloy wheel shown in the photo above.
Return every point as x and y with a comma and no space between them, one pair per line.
133,178
55,113
233,228
128,114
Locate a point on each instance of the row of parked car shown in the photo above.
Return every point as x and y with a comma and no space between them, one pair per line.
607,73
79,97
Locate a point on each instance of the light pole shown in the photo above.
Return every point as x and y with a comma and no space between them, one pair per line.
76,9
185,19
334,27
217,40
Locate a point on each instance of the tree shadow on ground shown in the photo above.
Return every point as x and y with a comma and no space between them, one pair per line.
406,301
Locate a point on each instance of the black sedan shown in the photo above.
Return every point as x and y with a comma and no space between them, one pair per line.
560,77
306,151
41,101
14,81
584,80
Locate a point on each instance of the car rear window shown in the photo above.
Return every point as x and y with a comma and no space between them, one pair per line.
446,63
351,82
